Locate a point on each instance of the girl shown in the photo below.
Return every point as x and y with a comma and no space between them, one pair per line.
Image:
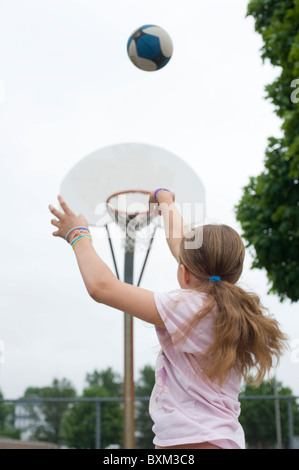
212,332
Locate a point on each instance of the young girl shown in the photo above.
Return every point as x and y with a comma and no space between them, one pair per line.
212,333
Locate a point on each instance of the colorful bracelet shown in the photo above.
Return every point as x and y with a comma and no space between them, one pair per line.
160,189
74,228
79,233
76,239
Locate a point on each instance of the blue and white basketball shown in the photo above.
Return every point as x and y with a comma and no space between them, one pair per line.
150,48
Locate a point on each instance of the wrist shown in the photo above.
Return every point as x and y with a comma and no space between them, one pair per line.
79,234
72,231
82,244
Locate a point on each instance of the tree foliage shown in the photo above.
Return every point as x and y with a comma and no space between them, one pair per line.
47,418
258,416
144,387
7,420
80,421
269,208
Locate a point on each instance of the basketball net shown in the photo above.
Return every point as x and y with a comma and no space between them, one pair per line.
129,210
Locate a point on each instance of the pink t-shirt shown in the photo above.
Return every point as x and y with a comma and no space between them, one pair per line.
184,407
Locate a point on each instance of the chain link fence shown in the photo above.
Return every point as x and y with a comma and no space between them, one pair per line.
22,418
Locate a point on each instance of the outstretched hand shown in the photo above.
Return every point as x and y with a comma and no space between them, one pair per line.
67,220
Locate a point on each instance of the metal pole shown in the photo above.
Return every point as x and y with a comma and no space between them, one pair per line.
112,251
98,425
277,417
291,423
147,254
129,438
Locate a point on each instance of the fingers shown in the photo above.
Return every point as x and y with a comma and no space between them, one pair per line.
55,212
64,205
55,222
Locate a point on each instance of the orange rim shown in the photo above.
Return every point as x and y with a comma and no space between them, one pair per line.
116,211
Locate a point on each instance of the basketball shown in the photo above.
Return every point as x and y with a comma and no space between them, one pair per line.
150,48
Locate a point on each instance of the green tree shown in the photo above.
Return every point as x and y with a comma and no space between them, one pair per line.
258,416
47,417
7,420
144,386
80,422
269,208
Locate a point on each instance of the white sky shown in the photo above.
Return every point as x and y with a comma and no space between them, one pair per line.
67,88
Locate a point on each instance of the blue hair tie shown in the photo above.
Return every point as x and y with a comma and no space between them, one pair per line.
214,278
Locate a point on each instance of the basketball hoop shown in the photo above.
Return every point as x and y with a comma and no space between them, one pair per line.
112,170
129,209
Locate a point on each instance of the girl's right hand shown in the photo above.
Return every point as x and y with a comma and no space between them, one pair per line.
153,203
153,200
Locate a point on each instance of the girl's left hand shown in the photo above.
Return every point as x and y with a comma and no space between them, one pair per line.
66,221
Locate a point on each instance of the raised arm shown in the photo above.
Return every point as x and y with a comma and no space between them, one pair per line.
99,280
173,221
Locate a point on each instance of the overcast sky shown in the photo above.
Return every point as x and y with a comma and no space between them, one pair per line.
67,88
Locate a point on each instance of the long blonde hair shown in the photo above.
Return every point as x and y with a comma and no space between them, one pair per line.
244,337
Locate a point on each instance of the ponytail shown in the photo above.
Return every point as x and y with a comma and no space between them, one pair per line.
246,336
